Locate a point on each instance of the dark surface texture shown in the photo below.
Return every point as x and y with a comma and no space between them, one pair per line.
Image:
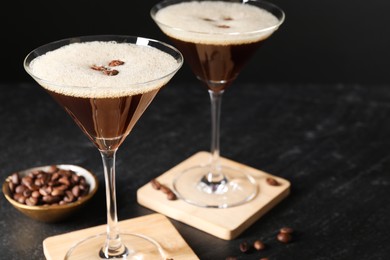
331,142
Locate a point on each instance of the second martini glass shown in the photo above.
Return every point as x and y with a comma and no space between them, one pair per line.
216,38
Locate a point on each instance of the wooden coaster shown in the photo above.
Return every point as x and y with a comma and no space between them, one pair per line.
155,226
223,223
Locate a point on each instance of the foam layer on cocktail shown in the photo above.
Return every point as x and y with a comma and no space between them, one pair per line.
224,23
68,70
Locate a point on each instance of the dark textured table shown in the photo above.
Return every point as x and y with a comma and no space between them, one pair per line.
332,142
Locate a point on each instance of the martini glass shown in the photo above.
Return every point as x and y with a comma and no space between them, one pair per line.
105,83
217,38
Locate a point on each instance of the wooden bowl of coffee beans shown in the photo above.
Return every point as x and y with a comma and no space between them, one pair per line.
50,193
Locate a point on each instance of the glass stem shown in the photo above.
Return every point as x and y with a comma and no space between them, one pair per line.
113,246
215,176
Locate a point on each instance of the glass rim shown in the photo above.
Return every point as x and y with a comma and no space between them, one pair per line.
270,5
143,41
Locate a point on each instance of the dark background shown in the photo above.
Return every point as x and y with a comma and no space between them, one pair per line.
328,42
320,121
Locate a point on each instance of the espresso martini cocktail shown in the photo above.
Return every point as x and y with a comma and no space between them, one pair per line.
105,83
217,38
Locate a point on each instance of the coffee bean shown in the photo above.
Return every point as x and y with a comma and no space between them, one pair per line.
46,190
19,198
31,201
55,176
52,169
171,195
165,189
244,247
69,197
57,192
155,184
27,193
231,258
76,190
258,245
284,237
20,188
286,230
15,178
35,194
75,178
64,180
11,186
272,181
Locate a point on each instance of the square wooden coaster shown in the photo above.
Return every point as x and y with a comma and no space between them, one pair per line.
155,226
235,219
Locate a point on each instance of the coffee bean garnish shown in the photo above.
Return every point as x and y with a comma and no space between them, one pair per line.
98,68
115,63
216,21
53,186
108,71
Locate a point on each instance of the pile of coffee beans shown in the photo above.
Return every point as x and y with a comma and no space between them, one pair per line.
53,186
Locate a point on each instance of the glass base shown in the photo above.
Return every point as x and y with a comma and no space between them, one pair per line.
238,187
137,247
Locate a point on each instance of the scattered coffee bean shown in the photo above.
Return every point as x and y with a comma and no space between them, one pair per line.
231,258
272,181
171,195
244,247
165,189
50,187
286,230
264,258
284,237
259,245
155,184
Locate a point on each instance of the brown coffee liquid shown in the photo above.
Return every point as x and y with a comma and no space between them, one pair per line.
216,65
106,121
